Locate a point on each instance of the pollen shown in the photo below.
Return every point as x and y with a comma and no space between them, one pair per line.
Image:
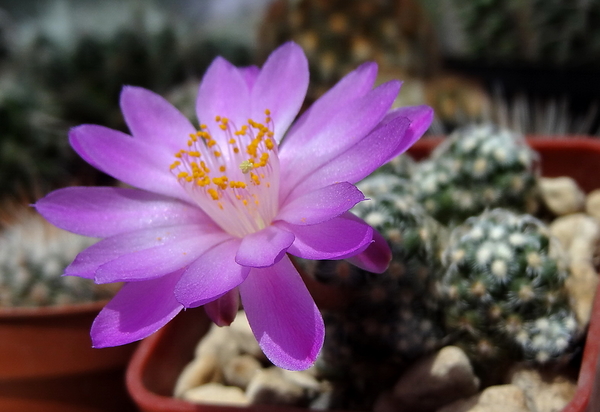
236,182
213,193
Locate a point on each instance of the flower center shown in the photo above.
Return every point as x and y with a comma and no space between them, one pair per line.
235,177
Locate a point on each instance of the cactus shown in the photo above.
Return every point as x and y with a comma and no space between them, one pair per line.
393,317
504,288
337,35
53,82
477,168
33,256
539,31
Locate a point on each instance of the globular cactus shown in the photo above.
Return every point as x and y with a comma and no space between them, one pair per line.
33,256
393,317
504,289
338,34
525,31
477,168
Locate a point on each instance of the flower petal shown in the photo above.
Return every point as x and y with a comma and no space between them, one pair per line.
170,255
130,160
321,204
281,87
223,92
250,74
154,120
420,119
354,85
358,161
338,238
87,262
108,211
264,248
376,258
138,310
283,316
344,130
222,311
211,276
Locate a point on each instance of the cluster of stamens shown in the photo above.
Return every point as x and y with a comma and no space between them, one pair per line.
235,178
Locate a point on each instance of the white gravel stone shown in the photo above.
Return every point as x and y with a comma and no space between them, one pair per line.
561,195
216,394
436,380
500,398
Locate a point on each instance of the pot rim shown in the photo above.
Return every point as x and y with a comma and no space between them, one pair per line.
14,312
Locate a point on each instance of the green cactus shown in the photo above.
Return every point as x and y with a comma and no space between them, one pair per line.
393,317
477,168
33,256
540,31
504,289
57,82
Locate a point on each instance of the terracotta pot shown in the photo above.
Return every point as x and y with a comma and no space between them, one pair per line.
159,359
47,362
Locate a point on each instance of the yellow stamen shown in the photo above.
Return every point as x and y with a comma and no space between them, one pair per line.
213,193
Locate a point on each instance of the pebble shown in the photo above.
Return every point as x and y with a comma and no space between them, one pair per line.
240,370
561,195
592,204
216,394
219,342
198,372
581,286
578,234
244,338
442,378
543,393
499,398
268,386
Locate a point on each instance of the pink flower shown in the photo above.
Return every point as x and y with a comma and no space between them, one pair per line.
217,208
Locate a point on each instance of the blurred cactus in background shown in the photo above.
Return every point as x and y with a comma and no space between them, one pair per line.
536,31
67,66
337,35
33,256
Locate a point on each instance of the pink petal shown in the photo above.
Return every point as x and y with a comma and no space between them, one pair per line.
153,262
250,74
108,211
283,316
211,276
354,85
376,258
223,92
360,160
87,262
130,160
264,248
154,120
281,87
138,310
321,204
338,238
222,311
420,119
345,129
